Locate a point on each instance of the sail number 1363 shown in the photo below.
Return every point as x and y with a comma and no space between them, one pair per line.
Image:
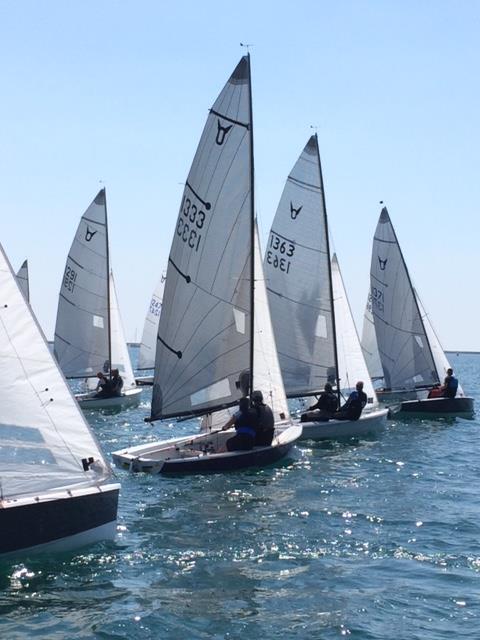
279,251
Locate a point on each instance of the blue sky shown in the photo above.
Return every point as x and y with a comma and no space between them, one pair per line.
118,92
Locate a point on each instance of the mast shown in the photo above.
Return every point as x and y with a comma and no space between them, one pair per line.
413,292
330,281
109,327
252,232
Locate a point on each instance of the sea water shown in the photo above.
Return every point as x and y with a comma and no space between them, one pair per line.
373,539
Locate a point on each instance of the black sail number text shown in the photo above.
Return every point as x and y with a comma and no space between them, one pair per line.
190,223
69,278
279,251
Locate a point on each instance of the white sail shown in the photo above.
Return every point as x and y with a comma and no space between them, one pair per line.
441,360
402,342
203,343
44,436
22,277
81,332
351,363
120,355
146,356
267,376
297,266
369,343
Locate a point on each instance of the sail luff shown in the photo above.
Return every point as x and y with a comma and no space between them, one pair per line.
109,314
330,280
252,234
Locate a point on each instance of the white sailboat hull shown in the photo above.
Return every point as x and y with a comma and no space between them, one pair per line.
369,423
129,398
144,381
203,453
62,521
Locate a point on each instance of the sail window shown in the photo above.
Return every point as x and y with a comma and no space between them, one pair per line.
20,434
26,455
419,341
239,317
98,322
321,327
220,389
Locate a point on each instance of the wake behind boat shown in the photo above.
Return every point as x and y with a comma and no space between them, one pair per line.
56,487
89,337
314,329
215,341
411,355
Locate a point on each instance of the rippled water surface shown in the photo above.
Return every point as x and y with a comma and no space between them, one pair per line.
371,539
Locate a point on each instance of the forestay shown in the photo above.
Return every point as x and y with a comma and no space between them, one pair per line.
369,343
22,278
267,376
440,359
146,356
351,363
204,330
403,345
43,434
81,332
120,355
298,283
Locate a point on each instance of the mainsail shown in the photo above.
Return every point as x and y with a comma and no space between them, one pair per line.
22,278
146,356
369,343
403,344
44,435
351,363
204,338
297,269
82,333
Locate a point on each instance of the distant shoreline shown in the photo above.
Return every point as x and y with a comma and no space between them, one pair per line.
450,352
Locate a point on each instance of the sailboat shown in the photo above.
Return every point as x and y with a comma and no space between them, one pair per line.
89,336
22,278
56,491
410,352
215,341
148,345
314,329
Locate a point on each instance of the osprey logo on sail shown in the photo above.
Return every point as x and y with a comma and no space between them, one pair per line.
294,212
89,234
382,263
222,133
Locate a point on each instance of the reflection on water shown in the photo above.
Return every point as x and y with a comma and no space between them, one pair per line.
370,539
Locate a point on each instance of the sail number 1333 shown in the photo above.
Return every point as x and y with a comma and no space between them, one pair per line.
190,222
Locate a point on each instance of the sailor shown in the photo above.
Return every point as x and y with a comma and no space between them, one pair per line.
450,385
103,386
116,383
266,421
245,421
353,407
324,408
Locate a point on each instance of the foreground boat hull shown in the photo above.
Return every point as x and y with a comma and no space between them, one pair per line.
130,398
436,407
198,454
58,523
368,424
